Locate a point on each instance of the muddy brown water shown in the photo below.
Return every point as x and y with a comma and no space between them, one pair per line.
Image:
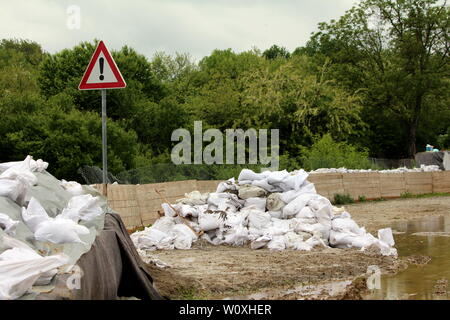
427,237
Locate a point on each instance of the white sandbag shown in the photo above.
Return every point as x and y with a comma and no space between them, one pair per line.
234,220
164,224
324,215
22,171
16,190
345,225
60,230
254,233
276,177
307,187
246,192
182,229
38,165
310,228
364,241
260,242
258,219
274,202
295,241
316,241
294,207
209,221
193,198
256,203
237,236
182,242
247,174
294,180
188,211
217,200
279,227
386,236
275,214
83,207
306,213
224,202
17,277
211,239
277,243
228,185
168,211
7,224
263,184
34,214
152,239
73,187
289,196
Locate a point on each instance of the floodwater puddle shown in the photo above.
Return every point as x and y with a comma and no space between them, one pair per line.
427,237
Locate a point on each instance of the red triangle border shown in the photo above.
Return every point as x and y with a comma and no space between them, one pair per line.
106,85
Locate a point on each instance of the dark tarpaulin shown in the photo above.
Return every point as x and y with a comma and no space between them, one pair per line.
430,158
111,269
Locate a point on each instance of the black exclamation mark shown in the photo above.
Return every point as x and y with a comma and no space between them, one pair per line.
100,61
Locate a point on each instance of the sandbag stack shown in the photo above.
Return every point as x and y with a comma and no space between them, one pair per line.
274,209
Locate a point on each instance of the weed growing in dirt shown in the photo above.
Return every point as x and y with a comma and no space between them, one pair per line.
189,294
362,199
342,199
408,195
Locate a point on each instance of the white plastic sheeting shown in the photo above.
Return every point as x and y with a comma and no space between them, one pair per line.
423,168
21,266
64,228
276,210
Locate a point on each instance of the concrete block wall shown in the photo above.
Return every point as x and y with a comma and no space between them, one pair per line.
139,204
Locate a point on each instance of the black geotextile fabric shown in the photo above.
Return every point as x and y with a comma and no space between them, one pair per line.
430,158
111,269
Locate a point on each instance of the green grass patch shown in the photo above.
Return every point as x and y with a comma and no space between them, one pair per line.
342,199
362,199
408,195
189,294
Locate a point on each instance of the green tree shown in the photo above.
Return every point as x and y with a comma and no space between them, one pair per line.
62,72
398,51
301,103
275,52
58,133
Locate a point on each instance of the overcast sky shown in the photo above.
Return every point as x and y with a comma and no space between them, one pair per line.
193,26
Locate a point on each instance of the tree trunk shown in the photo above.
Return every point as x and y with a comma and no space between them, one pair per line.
413,127
412,139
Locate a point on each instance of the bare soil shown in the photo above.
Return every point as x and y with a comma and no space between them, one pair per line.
217,272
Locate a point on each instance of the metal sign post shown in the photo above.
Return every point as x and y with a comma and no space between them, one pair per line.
104,139
101,74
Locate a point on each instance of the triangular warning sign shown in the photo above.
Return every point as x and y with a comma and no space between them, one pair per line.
102,72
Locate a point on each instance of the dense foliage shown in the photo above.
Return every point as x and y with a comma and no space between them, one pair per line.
372,83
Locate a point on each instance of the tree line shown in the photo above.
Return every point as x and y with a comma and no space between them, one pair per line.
375,79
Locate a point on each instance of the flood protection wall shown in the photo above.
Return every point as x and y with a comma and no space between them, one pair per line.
138,205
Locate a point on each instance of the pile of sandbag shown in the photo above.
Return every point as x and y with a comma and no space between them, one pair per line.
423,168
274,209
45,224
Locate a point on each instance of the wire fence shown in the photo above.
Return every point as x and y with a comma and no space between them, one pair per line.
165,172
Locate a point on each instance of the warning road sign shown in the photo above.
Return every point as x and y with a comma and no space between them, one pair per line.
102,72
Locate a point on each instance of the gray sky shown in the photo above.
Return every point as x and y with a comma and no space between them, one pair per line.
193,26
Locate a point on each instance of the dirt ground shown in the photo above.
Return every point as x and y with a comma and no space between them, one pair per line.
218,272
